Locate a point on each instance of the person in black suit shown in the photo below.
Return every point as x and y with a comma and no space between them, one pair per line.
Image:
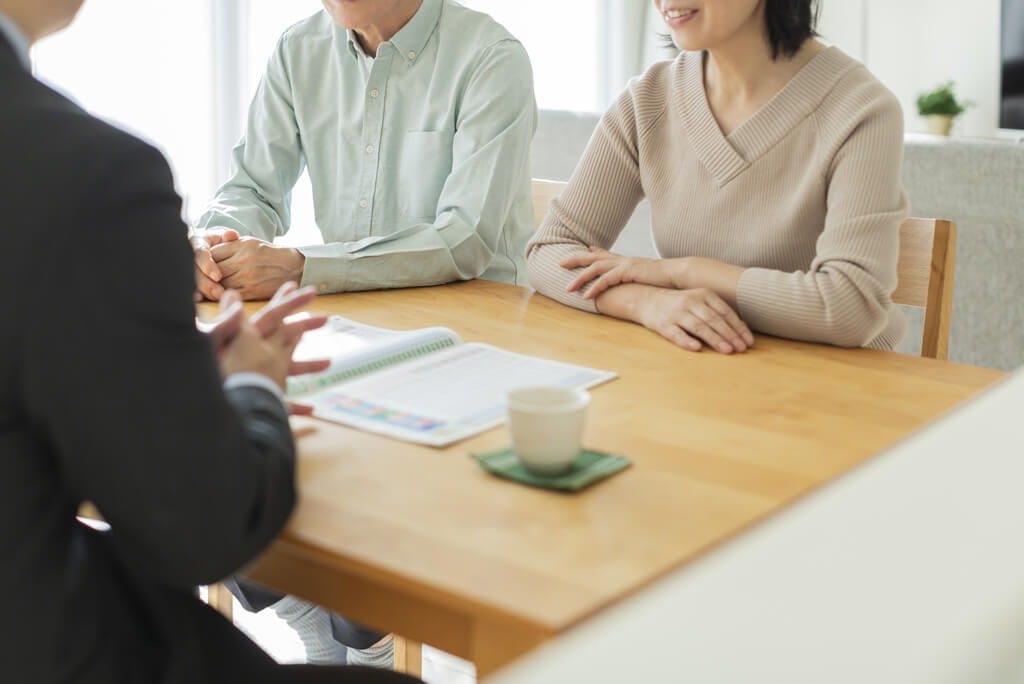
109,394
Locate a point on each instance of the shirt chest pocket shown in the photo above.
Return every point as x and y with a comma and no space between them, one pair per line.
425,161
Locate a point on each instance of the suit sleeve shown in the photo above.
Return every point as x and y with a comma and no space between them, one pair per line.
193,480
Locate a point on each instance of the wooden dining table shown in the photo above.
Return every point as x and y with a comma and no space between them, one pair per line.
423,542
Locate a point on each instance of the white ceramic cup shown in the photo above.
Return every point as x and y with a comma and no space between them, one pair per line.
546,424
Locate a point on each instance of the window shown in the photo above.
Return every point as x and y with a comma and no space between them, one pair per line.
562,39
193,69
267,20
161,93
181,75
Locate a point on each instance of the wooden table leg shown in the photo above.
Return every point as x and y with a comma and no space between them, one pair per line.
408,656
220,599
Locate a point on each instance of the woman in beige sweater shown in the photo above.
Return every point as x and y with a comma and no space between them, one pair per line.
772,164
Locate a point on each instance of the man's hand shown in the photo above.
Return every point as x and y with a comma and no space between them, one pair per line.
276,315
223,329
267,321
250,352
208,276
256,268
270,317
265,343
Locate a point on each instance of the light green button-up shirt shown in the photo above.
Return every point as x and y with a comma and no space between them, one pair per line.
419,158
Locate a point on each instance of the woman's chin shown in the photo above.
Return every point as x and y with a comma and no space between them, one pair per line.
688,45
688,40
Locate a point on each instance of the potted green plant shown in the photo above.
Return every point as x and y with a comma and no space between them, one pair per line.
940,107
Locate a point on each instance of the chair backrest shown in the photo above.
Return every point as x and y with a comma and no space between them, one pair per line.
924,272
543,192
925,278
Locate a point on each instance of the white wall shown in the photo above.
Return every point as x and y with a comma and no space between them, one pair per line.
914,45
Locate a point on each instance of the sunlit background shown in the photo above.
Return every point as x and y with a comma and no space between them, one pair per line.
181,74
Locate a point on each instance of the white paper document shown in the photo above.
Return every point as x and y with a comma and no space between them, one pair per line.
423,386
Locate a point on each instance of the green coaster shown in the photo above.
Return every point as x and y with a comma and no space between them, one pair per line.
590,467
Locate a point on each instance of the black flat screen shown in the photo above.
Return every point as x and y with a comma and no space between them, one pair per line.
1012,109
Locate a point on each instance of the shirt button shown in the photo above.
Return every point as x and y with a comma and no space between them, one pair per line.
370,149
374,93
412,55
363,203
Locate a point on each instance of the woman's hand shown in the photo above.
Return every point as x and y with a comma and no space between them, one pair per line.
690,317
607,270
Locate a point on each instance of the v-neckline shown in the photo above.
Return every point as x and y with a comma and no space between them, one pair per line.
727,156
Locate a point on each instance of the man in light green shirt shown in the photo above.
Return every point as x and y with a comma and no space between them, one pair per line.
414,119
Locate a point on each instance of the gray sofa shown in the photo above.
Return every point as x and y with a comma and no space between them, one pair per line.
979,184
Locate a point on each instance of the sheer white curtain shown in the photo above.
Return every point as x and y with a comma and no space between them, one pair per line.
144,65
633,31
583,52
182,74
179,75
565,44
264,23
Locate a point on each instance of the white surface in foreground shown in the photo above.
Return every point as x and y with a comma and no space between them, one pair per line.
908,569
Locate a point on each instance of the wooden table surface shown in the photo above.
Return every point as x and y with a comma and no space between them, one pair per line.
423,542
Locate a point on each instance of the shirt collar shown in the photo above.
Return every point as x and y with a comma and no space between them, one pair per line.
17,39
354,45
411,38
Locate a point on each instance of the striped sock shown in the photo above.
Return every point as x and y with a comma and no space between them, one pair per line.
382,656
313,625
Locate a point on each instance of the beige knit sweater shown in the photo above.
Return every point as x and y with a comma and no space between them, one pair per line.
806,195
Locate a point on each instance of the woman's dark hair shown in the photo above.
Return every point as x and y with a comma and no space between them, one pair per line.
790,23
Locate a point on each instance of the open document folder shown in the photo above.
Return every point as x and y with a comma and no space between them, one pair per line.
423,385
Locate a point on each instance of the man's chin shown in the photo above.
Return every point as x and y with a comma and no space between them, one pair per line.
68,10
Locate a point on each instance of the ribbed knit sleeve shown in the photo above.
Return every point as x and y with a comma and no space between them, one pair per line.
843,298
595,206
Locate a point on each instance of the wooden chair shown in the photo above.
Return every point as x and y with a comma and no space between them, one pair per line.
408,656
925,278
924,272
219,598
543,192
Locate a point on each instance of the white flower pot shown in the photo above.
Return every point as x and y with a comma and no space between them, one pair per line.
939,124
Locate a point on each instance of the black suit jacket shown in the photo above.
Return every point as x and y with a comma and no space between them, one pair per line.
109,394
